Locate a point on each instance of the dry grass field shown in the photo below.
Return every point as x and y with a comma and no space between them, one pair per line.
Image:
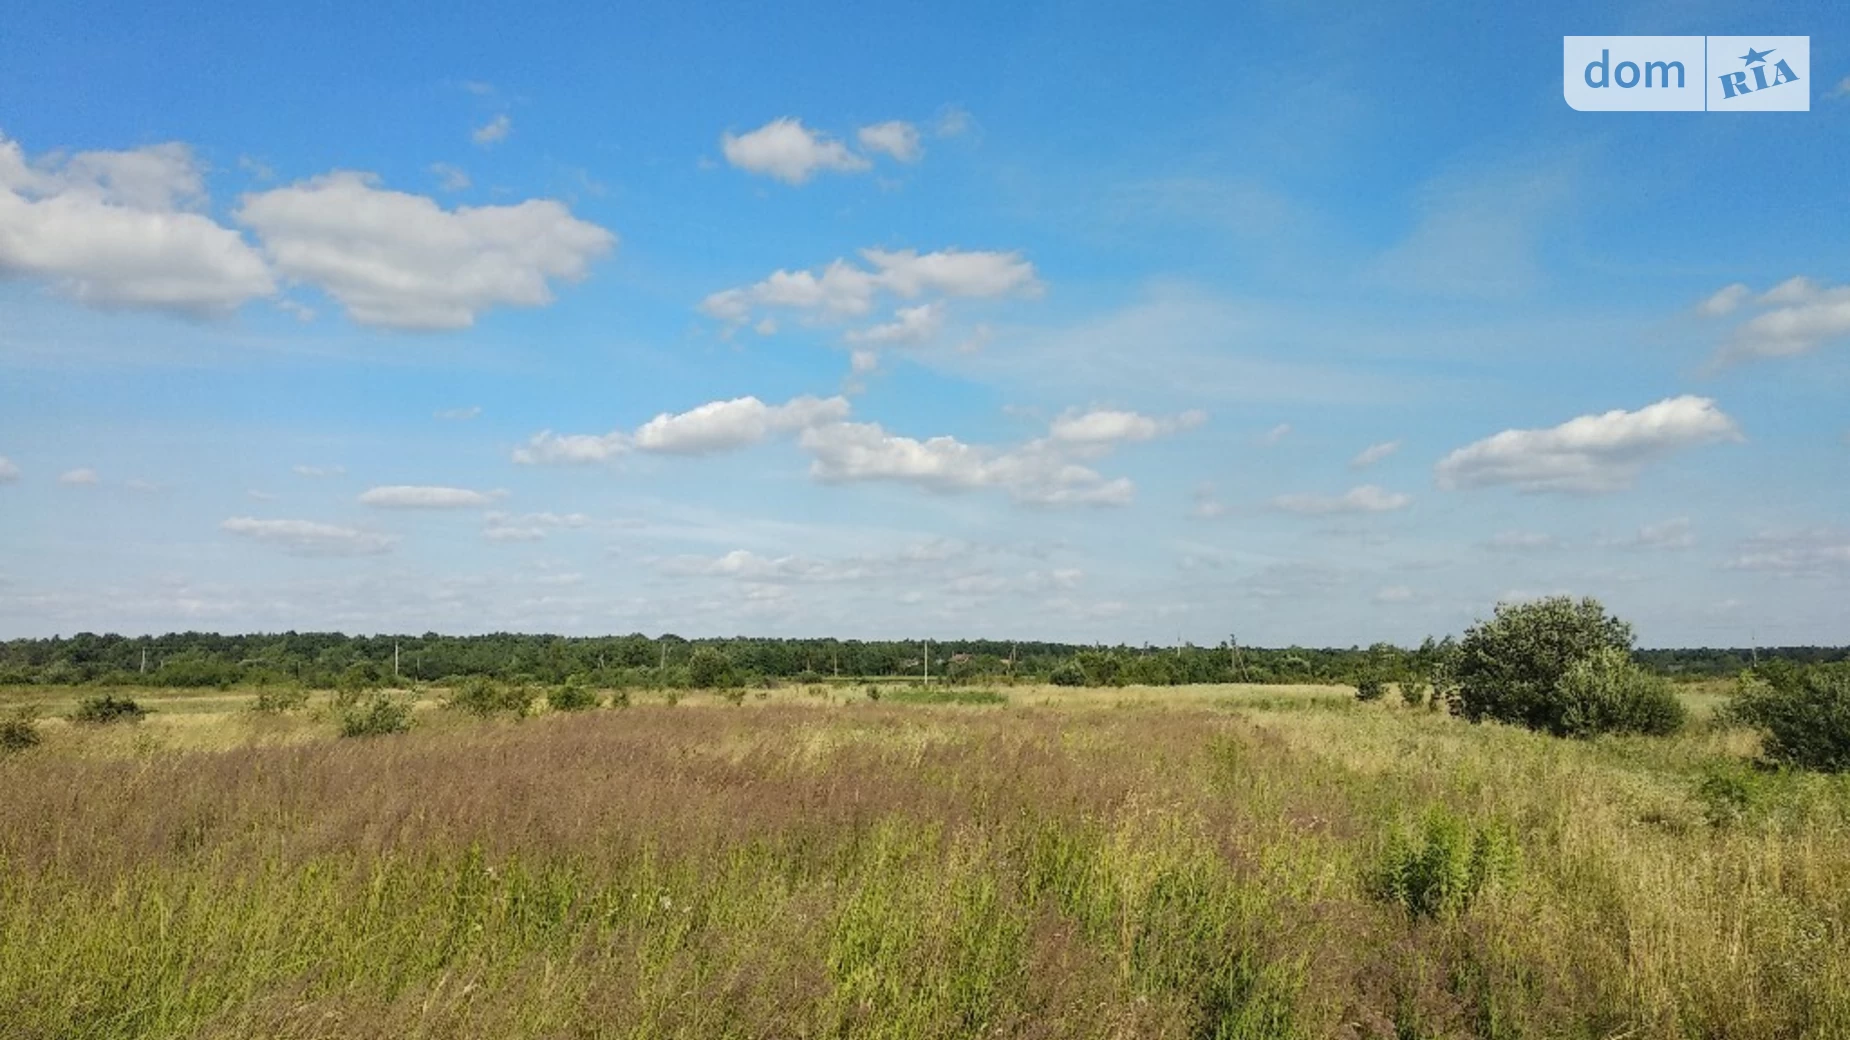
1175,862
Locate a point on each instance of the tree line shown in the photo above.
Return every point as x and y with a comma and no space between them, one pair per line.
329,659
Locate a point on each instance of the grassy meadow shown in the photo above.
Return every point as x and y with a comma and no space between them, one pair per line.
1202,861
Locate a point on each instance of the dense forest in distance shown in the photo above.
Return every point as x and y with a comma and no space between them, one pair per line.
328,659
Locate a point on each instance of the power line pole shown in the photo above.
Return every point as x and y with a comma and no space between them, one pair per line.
1233,653
928,662
394,658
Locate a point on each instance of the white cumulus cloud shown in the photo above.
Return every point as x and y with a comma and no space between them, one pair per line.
896,138
848,290
492,132
1374,453
1794,317
720,425
81,476
1725,300
1035,473
910,326
1590,454
308,538
402,261
789,151
413,496
549,448
8,471
714,426
1110,426
123,229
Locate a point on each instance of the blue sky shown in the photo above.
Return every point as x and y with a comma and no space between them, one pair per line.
1075,321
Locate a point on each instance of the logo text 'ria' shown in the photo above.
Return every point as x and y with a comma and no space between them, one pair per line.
1735,83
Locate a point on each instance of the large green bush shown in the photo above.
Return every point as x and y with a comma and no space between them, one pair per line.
571,697
1605,692
1804,715
379,716
480,695
1560,666
708,669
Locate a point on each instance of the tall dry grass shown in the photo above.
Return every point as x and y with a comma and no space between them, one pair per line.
800,868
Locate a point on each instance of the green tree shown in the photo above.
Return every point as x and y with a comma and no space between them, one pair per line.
708,669
1511,668
1804,714
1605,692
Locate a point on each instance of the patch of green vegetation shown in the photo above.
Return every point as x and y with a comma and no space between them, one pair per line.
1438,868
573,697
277,700
379,716
942,695
19,730
481,696
106,709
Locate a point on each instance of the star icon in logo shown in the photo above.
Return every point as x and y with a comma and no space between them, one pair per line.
1754,57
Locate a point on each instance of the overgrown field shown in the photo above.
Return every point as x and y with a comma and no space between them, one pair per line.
1188,862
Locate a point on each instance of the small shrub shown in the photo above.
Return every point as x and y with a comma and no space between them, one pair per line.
481,696
1728,793
19,731
1413,693
108,708
735,695
873,692
942,695
377,717
277,701
1803,714
1438,870
620,698
808,677
1068,673
1370,688
572,697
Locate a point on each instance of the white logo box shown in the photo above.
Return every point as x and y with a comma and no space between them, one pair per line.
1686,73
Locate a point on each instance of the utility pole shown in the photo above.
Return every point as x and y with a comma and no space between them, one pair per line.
144,660
1233,652
928,662
1753,637
664,665
394,658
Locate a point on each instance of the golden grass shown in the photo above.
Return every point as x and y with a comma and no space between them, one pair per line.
1150,862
